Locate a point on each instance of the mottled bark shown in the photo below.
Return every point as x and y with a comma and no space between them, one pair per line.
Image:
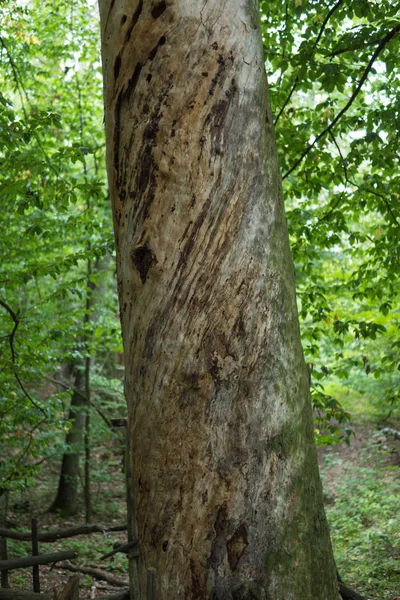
225,484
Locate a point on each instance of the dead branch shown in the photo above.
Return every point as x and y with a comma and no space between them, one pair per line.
96,573
30,561
53,536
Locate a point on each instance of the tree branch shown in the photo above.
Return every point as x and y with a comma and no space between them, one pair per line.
11,337
321,31
369,191
325,22
53,536
354,95
284,105
96,573
355,47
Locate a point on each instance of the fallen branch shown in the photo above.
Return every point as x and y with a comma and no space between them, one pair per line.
124,548
7,594
53,536
30,561
96,573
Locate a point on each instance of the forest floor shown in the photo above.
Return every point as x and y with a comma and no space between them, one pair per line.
362,498
362,495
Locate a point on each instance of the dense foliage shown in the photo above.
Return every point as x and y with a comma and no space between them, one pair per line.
333,69
334,76
57,299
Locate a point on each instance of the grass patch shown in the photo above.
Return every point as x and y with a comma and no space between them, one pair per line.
364,516
357,404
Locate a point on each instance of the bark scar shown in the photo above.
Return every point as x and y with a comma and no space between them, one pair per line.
236,546
158,10
143,258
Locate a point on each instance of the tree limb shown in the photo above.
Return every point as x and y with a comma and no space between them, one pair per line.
11,337
41,559
368,190
384,41
53,536
10,594
321,31
96,573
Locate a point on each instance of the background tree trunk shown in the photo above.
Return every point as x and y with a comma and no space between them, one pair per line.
225,478
66,500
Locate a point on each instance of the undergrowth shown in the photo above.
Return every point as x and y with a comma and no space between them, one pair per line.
363,510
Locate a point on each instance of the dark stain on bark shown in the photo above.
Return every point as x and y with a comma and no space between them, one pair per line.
123,98
117,134
158,10
160,43
123,19
236,546
232,90
143,258
198,591
109,13
117,66
132,83
218,75
148,167
146,180
218,547
151,129
239,329
218,113
134,21
249,591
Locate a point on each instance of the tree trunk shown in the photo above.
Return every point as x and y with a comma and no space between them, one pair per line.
66,501
225,483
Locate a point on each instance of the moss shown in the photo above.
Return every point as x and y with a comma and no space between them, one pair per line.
249,590
302,560
252,11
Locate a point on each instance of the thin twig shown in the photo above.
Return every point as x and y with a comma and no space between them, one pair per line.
11,337
324,24
359,46
368,190
24,452
354,95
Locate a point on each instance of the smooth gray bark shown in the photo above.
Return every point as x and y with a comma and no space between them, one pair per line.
225,496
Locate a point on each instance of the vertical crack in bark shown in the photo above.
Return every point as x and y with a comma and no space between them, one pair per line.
134,21
117,134
123,97
132,83
159,10
236,546
160,42
117,66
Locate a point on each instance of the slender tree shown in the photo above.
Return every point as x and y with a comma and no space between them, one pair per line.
66,501
224,495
